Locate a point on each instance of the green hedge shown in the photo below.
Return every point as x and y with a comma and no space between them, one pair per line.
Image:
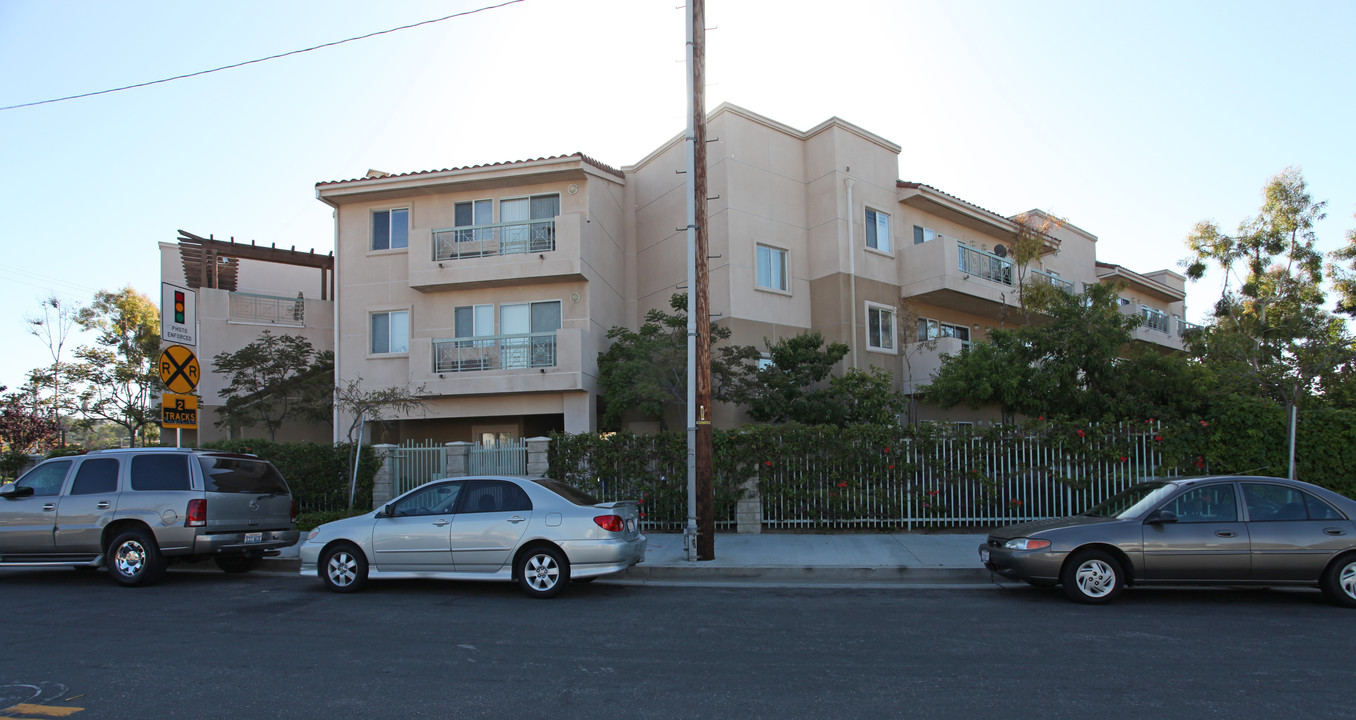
318,473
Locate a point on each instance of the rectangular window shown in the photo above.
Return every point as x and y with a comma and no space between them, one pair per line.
877,230
391,229
531,229
922,235
932,330
771,268
390,332
880,328
477,212
535,324
160,472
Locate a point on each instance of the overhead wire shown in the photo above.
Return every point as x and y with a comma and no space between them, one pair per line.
259,60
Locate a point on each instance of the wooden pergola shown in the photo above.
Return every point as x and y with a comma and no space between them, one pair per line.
212,263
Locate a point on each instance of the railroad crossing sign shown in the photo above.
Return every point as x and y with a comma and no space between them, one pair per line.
179,411
179,369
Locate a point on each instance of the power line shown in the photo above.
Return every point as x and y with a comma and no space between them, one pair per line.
259,60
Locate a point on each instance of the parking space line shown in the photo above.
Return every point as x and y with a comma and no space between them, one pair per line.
30,711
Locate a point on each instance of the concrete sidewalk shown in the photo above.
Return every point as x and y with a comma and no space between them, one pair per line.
789,559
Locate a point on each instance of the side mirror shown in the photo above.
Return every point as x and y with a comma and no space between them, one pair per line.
10,491
385,511
1161,517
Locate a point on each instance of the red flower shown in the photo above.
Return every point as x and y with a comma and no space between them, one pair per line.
892,467
1159,438
1205,424
642,514
1016,502
1124,458
926,505
768,463
1150,420
887,449
1080,433
933,492
1041,417
842,484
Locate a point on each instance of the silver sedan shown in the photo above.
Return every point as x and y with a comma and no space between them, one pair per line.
538,532
1256,531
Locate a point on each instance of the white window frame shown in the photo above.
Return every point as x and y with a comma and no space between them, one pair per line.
372,229
758,267
391,344
928,235
871,222
893,346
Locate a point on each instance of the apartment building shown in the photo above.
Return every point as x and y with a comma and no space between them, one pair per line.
490,289
243,290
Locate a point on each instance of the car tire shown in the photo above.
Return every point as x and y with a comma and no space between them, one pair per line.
1093,577
542,572
1339,581
343,569
237,563
134,560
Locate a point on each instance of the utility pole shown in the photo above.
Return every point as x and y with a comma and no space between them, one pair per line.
699,536
706,519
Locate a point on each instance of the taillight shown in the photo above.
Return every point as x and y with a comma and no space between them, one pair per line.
610,523
294,510
197,514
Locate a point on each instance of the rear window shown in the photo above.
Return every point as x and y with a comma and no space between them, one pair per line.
242,475
160,472
574,495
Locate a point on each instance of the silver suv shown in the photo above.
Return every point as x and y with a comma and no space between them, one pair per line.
135,510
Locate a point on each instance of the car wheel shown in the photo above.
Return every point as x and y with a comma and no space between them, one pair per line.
237,563
134,560
343,568
1093,577
542,572
1339,581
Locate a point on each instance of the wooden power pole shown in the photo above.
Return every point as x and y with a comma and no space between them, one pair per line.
706,520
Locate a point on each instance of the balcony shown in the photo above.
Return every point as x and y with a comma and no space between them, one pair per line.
949,273
252,309
1184,328
508,238
495,352
501,364
1156,328
497,254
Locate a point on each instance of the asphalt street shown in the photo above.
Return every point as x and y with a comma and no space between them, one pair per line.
204,644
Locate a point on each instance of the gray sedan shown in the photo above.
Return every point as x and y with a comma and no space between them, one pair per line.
538,532
1256,531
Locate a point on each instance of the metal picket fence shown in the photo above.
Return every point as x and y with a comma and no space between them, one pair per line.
416,463
960,482
507,457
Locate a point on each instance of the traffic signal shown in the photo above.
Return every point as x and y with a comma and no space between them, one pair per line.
178,307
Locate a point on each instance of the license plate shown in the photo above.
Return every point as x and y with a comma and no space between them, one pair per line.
251,538
631,524
984,556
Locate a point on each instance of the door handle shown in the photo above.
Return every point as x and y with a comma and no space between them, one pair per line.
103,505
515,519
441,523
1226,533
49,507
1334,531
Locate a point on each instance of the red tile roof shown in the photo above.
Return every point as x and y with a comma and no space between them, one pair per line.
580,156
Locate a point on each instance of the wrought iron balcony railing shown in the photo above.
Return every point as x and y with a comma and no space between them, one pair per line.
985,265
504,238
495,352
1049,279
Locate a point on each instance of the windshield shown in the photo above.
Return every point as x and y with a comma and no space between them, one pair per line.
1132,502
573,494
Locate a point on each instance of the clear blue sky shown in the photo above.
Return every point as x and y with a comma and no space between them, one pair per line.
1132,120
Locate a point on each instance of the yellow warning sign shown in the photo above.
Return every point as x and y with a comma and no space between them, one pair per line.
179,411
179,369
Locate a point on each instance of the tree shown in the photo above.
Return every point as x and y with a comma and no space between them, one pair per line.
1344,275
1029,236
275,378
375,405
25,426
1078,364
1270,330
53,327
118,373
785,389
646,370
